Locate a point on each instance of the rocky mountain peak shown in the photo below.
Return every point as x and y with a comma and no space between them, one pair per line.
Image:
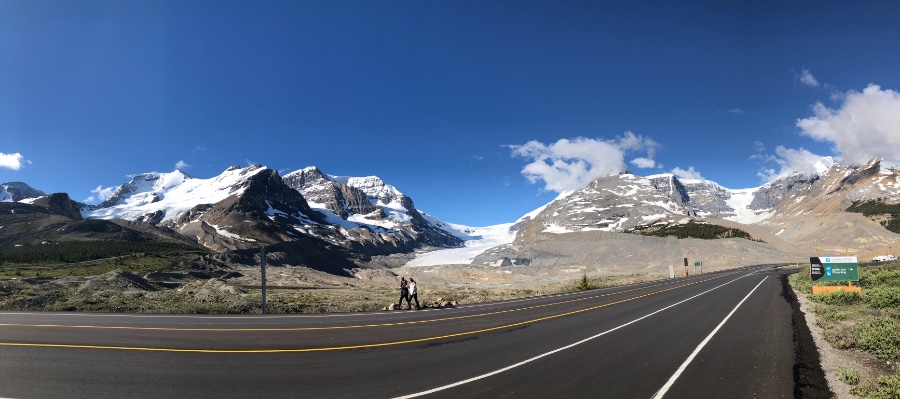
266,192
321,190
17,191
60,204
369,201
614,203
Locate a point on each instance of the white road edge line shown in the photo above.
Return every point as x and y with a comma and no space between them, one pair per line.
662,391
510,367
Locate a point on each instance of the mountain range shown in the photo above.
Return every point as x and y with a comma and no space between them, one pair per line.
788,218
336,223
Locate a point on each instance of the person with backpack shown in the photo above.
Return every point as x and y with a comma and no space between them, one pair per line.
404,293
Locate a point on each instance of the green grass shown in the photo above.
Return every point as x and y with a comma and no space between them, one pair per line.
83,250
137,263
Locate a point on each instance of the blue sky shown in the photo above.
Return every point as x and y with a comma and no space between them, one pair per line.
462,105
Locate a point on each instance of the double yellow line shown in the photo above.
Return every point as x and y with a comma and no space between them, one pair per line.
336,348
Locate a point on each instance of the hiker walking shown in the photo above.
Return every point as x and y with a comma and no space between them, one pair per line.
413,293
404,293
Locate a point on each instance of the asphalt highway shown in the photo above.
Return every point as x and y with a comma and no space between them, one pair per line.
726,334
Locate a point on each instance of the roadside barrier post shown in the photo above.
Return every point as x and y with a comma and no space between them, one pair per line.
262,265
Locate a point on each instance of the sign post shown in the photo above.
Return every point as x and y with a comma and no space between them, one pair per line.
834,268
671,272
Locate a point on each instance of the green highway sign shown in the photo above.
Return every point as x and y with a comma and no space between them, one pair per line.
834,268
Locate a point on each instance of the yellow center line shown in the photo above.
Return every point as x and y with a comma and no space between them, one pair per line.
402,323
361,346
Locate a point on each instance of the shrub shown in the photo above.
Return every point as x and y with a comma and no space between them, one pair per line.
693,229
879,207
828,313
800,280
880,336
847,375
584,284
836,298
879,276
888,387
882,297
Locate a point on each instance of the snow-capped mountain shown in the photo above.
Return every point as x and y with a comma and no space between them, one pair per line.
163,197
18,191
240,208
369,202
837,188
613,203
360,217
621,202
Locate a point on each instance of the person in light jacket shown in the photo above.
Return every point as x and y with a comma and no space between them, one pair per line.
413,293
404,293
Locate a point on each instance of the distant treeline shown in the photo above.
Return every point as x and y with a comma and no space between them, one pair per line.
878,207
693,229
81,251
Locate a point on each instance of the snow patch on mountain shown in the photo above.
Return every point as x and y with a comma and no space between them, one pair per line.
740,201
172,194
17,192
480,239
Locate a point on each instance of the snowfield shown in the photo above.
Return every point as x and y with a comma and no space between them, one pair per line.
172,193
482,239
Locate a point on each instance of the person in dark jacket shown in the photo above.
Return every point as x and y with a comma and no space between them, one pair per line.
413,293
404,293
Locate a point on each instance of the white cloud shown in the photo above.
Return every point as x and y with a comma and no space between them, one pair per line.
199,149
759,146
103,193
865,126
181,165
767,174
790,160
635,142
736,111
643,163
89,199
12,161
689,174
808,79
571,164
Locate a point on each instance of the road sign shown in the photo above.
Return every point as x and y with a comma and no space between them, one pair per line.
671,272
833,268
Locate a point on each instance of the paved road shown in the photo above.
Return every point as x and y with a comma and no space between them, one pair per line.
715,335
